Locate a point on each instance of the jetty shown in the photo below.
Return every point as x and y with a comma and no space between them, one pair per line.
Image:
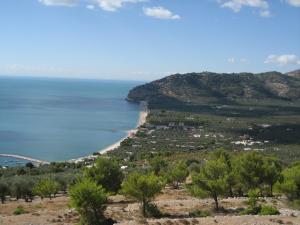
37,161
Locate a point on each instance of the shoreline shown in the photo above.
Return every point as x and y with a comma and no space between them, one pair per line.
141,120
24,158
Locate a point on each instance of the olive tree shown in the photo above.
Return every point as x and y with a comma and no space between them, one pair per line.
46,187
4,190
22,187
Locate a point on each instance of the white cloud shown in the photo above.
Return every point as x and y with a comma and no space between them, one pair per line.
265,13
91,7
161,13
283,60
59,2
231,60
237,5
107,5
114,5
295,3
244,61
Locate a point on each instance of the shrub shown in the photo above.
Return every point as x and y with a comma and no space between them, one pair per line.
19,210
291,182
295,204
106,173
268,210
89,200
253,208
158,165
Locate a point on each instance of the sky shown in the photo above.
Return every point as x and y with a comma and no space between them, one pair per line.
147,39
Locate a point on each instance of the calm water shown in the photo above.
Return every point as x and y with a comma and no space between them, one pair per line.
61,119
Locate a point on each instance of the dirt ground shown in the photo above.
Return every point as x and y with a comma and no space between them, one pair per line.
40,212
176,204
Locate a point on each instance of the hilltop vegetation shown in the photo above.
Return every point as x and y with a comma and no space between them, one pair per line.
206,87
295,73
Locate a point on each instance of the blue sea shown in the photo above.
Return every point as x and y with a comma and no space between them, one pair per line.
62,119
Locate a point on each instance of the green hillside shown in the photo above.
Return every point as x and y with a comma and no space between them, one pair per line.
206,87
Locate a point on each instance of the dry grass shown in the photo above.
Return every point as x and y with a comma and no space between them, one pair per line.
177,204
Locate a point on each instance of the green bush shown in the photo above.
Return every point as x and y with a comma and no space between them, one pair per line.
158,165
19,210
253,208
295,204
268,210
142,187
291,182
107,173
211,181
177,174
89,200
46,187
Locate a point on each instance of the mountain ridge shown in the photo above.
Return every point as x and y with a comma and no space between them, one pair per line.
295,73
214,87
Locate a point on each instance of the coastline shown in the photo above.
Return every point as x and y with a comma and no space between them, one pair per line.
141,120
37,161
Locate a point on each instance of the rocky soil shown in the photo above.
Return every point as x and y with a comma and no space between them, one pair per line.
175,204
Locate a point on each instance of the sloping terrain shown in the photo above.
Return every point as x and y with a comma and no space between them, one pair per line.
295,73
206,87
177,203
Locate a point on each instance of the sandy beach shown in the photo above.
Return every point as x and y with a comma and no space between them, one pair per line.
141,120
